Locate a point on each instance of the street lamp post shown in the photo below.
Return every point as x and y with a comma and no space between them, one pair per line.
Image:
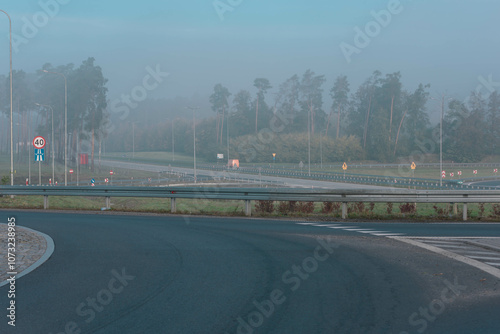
194,139
65,125
173,141
51,140
441,140
309,139
11,127
321,147
227,132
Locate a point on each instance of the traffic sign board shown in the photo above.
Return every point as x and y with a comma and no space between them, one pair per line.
39,155
93,181
71,171
106,180
39,142
459,172
451,174
413,166
344,166
475,171
495,170
110,172
443,174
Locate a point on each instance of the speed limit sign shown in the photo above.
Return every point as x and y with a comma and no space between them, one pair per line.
39,142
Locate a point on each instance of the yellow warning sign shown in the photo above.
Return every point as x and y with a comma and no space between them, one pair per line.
344,166
413,166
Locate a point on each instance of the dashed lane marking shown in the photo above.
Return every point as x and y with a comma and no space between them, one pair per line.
354,229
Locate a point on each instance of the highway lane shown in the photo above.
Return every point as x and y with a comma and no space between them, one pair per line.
291,182
172,274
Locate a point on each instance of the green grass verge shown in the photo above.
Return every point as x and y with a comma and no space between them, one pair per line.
425,212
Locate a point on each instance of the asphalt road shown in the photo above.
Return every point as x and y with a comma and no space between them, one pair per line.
288,181
172,274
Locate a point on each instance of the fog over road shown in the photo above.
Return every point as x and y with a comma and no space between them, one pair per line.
113,273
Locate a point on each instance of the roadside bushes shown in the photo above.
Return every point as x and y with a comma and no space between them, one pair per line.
264,206
284,208
408,208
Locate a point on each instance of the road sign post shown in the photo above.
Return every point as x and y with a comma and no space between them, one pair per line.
39,143
70,175
111,177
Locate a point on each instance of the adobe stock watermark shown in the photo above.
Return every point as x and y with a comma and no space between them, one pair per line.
223,6
127,102
293,278
425,315
364,36
87,309
31,26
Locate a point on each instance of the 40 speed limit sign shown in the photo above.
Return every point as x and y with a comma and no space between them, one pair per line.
39,142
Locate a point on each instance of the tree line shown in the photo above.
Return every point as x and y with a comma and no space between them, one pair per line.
380,120
36,96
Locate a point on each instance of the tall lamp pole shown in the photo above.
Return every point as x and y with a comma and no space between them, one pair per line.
227,129
441,139
321,147
173,141
51,141
194,139
309,139
11,127
65,125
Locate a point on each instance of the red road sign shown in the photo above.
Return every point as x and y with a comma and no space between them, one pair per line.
495,170
111,172
451,174
71,171
106,180
39,142
459,172
475,171
443,174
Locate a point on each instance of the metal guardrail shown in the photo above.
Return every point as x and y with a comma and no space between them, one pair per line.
264,194
393,181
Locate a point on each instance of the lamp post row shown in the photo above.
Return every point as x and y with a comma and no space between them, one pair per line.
11,115
11,127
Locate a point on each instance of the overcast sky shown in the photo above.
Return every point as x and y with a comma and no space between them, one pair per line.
447,43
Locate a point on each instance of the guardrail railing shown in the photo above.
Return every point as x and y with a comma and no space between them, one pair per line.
343,196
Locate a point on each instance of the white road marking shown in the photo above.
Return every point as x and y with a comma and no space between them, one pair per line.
472,262
371,232
324,225
343,227
480,252
387,234
484,257
450,246
493,264
357,229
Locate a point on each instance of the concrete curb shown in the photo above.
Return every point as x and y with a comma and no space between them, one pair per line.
41,260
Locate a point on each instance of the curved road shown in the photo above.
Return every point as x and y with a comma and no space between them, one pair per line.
172,274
